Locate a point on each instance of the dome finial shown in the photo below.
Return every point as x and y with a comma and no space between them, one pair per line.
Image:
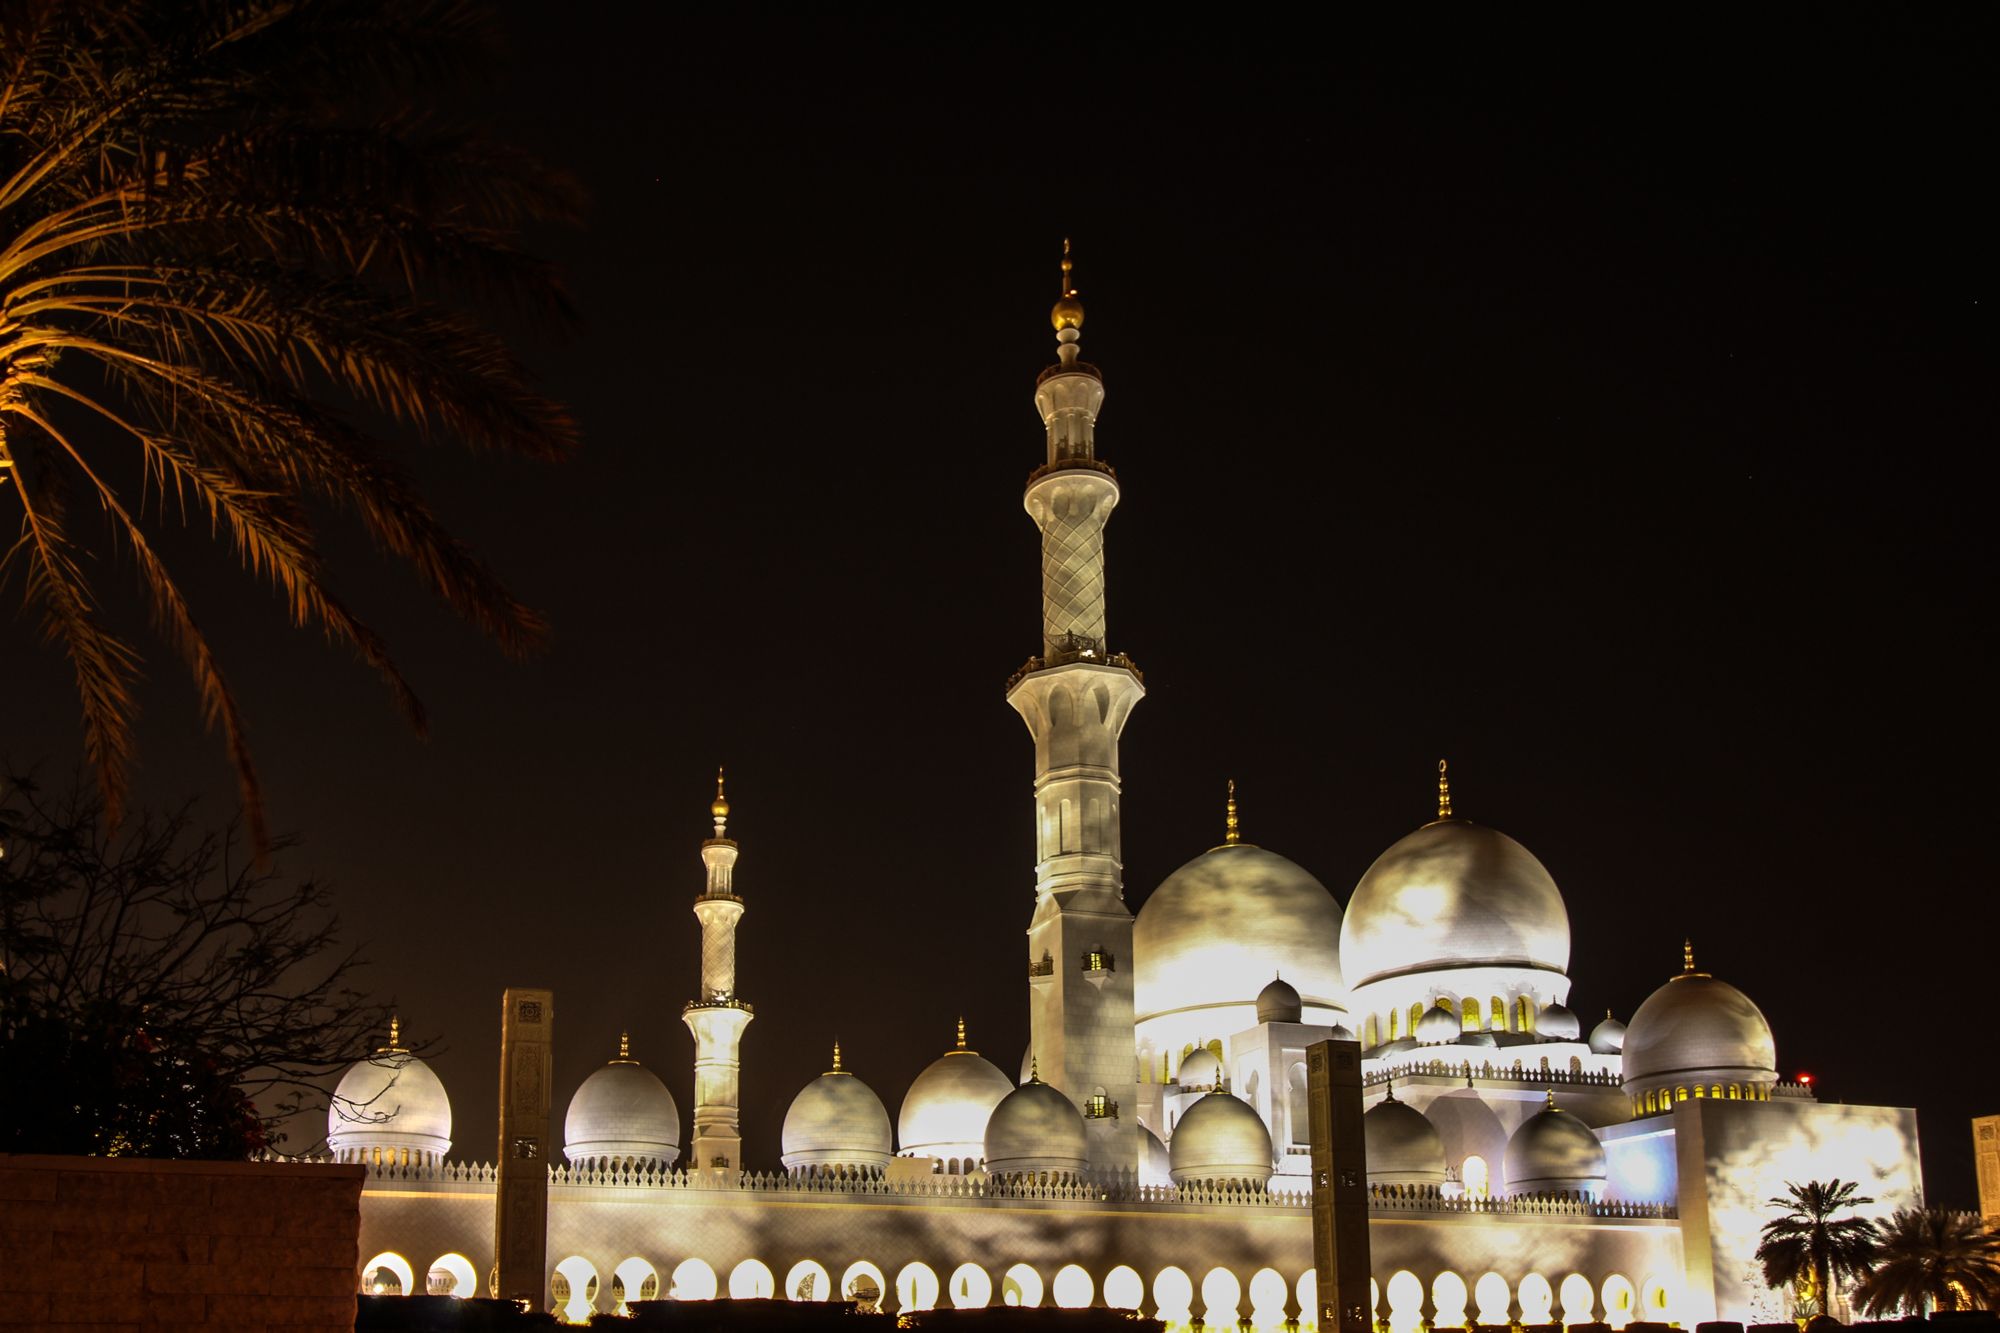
1687,955
836,1058
1068,313
1552,1099
1232,832
719,808
1444,791
395,1033
961,1033
1034,1068
1389,1090
624,1046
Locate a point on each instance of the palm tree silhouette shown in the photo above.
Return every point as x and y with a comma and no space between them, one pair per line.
1931,1257
1807,1245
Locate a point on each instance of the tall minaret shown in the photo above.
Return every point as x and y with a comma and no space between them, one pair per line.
717,1018
1075,698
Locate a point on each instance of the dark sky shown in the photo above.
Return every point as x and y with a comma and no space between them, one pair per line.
1600,407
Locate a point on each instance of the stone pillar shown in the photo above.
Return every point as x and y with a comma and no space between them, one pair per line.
521,1199
1339,1185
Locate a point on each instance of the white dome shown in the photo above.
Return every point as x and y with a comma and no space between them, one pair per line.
1453,894
1036,1130
1403,1146
1279,1002
1220,1140
1155,1166
1558,1023
1554,1152
391,1104
1211,933
1698,1028
623,1113
1439,1024
1608,1037
945,1111
836,1124
1200,1070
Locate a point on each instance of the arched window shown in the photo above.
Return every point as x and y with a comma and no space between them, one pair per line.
1477,1178
1499,1014
1715,1090
1469,1014
1299,1104
1371,1032
1416,1012
1395,1023
1680,1094
1524,1014
1698,1091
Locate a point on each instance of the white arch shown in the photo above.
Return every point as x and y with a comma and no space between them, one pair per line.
1268,1292
693,1280
1221,1293
1021,1285
1448,1300
852,1282
916,1288
1124,1289
1656,1299
1406,1301
808,1281
1619,1300
372,1284
1537,1300
580,1275
971,1287
1494,1298
1577,1299
1072,1288
1173,1294
461,1279
751,1280
628,1283
1307,1291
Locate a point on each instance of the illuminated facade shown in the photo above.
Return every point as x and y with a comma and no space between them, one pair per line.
1150,1149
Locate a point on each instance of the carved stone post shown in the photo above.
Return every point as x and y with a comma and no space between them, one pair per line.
1339,1185
521,1200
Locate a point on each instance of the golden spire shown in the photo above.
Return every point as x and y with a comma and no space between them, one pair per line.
395,1034
836,1058
1034,1068
1444,791
1552,1099
1687,955
624,1046
1232,832
1068,312
961,1032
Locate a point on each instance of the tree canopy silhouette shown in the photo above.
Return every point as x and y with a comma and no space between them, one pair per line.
1807,1245
1928,1256
237,256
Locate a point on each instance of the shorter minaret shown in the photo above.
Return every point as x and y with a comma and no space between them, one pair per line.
717,1017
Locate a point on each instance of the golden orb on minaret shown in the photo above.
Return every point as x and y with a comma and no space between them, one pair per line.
1068,312
720,808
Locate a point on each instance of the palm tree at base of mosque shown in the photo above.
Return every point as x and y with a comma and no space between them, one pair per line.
1931,1258
1810,1249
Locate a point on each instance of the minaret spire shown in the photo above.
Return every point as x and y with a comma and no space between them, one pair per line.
1075,697
1444,791
717,1016
1232,830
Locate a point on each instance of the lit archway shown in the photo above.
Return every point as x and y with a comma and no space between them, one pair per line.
1221,1293
916,1288
1494,1298
970,1288
1618,1298
574,1289
453,1275
1021,1285
1124,1289
1656,1301
633,1280
1173,1295
1072,1288
1307,1291
808,1281
1537,1299
693,1280
388,1274
1477,1177
1577,1299
1448,1300
751,1281
1406,1302
1267,1297
863,1284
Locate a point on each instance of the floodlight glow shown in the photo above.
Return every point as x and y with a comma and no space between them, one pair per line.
1072,1287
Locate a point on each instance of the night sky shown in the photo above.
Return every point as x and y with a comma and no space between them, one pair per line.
1600,408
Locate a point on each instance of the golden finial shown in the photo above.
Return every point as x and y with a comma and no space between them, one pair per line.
1687,955
720,808
1068,313
1231,830
395,1034
1444,791
624,1046
961,1032
1552,1099
1034,1068
836,1058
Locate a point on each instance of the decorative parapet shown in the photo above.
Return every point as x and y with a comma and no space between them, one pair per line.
1429,1199
725,1002
1034,664
1517,1072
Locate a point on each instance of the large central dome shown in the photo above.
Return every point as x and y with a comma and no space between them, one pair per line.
1218,929
1454,894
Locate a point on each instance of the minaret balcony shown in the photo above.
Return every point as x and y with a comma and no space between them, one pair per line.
1072,465
1094,655
719,1002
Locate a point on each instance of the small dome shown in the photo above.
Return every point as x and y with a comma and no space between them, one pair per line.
1279,1003
1221,1140
1439,1024
1200,1070
1608,1037
623,1113
1155,1166
1453,894
1034,1131
1210,934
1555,1153
1403,1146
836,1125
1697,1027
945,1111
1558,1023
391,1103
1340,1032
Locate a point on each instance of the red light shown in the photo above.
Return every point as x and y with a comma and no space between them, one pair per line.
1806,1079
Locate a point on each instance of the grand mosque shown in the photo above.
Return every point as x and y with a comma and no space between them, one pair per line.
1524,1164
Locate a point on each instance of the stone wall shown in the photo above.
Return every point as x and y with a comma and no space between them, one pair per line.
122,1243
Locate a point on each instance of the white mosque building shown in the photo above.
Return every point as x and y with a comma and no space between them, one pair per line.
1150,1151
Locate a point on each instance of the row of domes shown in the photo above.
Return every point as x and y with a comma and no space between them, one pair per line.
1552,1152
